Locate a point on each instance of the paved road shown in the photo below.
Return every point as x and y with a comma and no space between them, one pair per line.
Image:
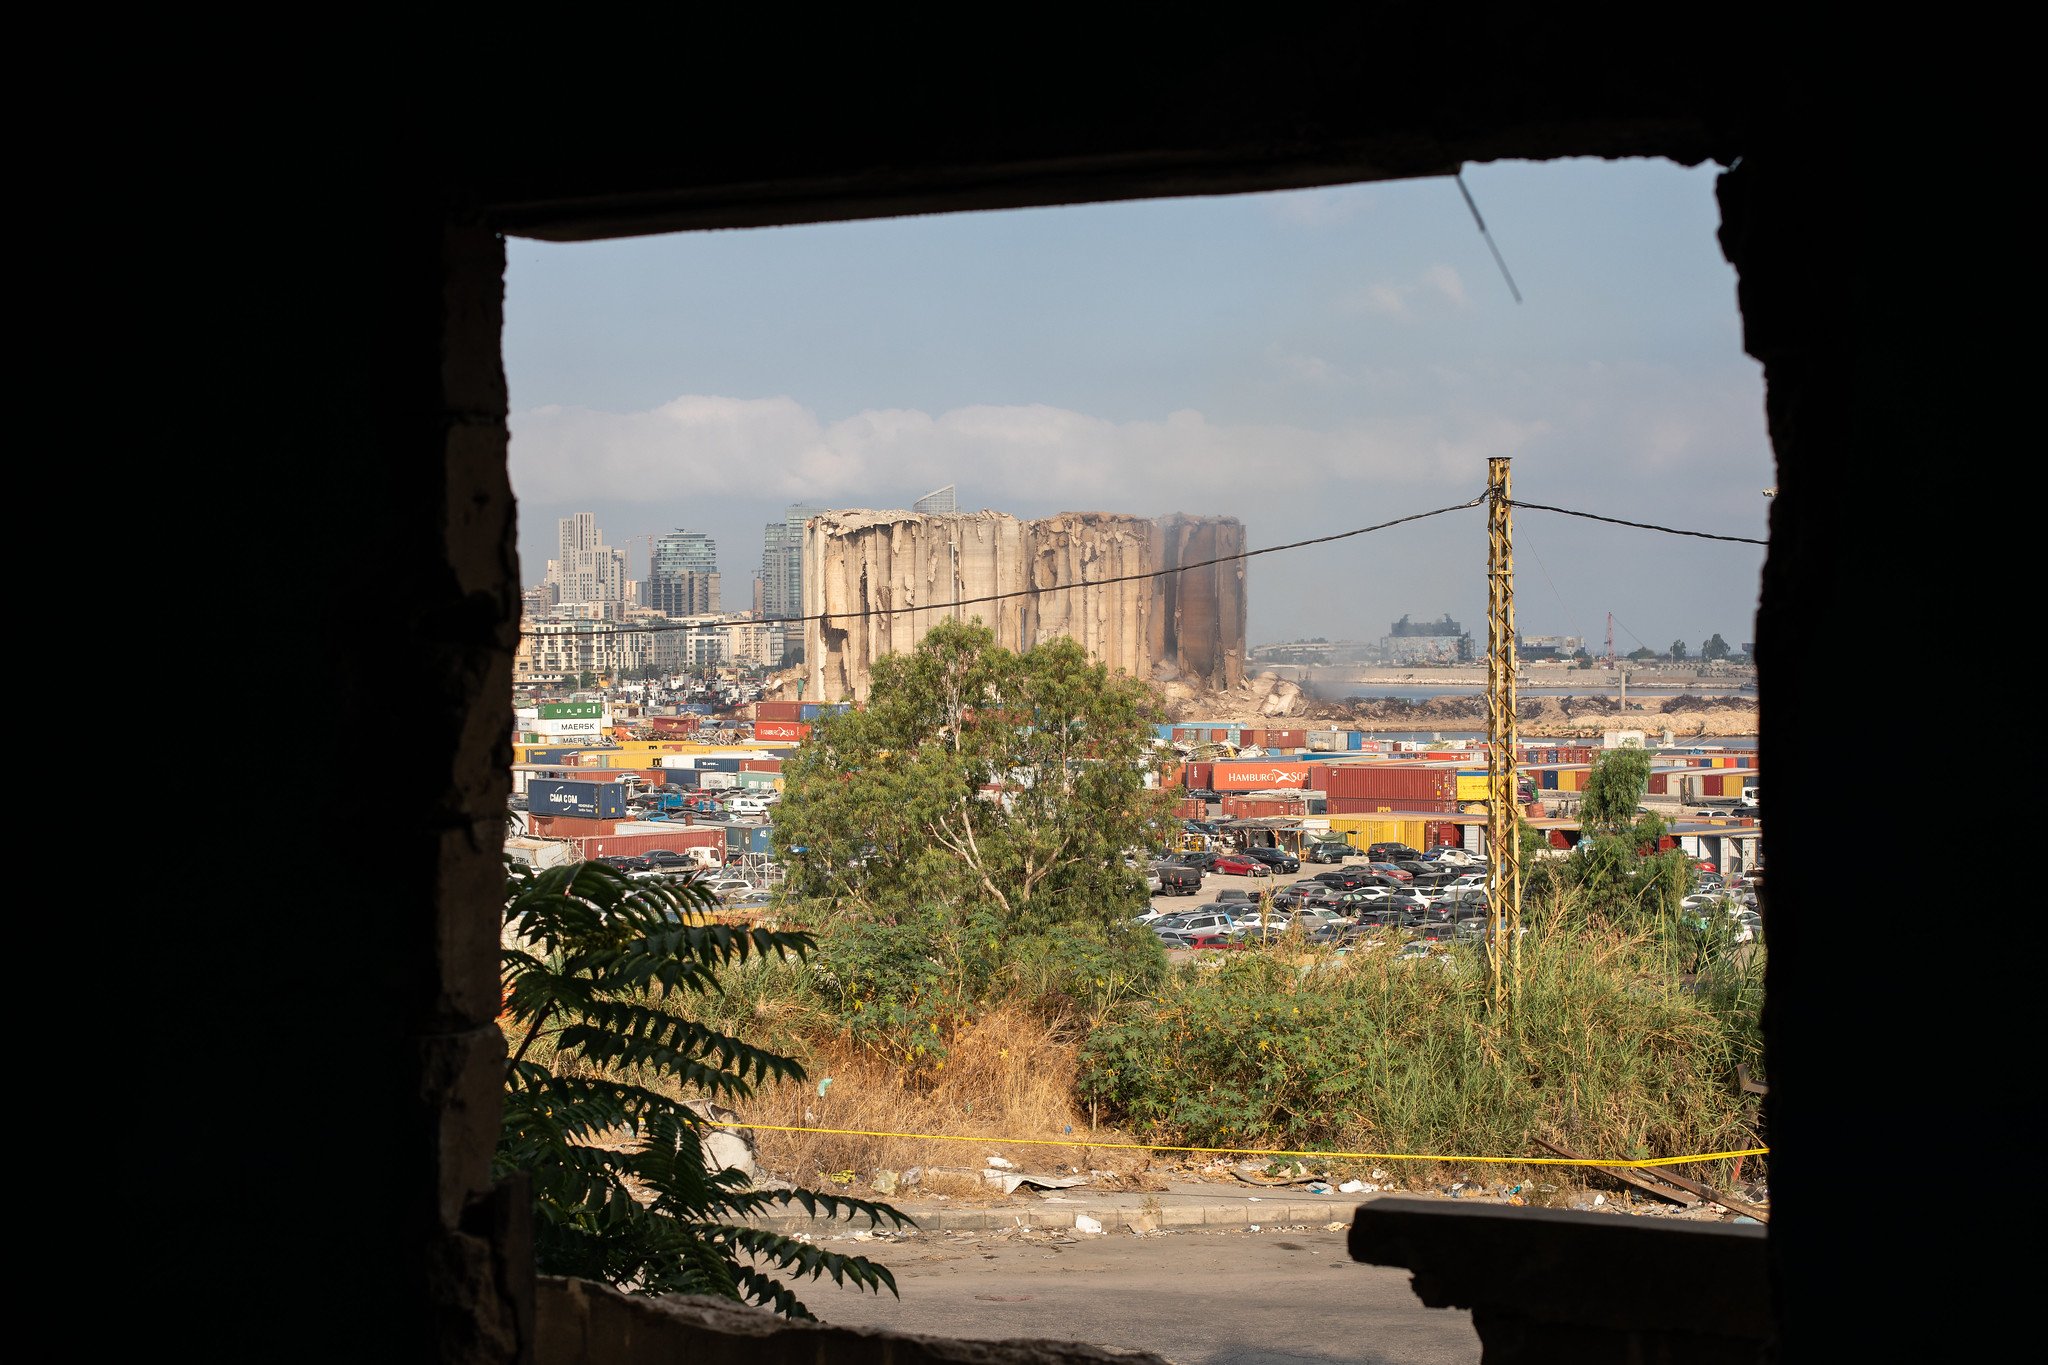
1209,1296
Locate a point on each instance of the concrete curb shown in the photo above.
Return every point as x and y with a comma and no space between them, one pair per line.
1118,1213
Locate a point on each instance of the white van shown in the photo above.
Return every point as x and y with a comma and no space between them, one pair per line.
748,805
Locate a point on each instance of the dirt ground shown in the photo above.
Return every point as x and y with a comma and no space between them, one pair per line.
1271,701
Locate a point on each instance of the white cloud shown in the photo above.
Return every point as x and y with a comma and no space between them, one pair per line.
1321,208
1403,301
699,446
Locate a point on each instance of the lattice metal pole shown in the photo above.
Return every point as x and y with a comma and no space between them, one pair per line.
1504,853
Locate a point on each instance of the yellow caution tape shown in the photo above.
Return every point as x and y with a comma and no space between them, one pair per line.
1260,1151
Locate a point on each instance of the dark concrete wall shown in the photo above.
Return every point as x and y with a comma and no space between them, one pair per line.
346,233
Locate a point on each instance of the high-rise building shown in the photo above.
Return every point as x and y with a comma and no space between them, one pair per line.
682,577
940,502
588,570
782,564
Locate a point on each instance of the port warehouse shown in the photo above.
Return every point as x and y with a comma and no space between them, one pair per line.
1350,787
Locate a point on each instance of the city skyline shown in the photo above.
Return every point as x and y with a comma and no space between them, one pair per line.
1310,363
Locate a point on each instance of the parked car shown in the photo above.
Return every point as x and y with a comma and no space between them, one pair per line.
1279,859
1345,878
1178,878
1399,874
1203,858
630,864
1453,855
1241,865
1296,895
1390,852
1199,922
1203,794
1329,851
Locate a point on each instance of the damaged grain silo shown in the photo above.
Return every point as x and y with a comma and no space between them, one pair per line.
876,582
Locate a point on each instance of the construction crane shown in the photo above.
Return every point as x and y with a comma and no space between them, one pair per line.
1610,639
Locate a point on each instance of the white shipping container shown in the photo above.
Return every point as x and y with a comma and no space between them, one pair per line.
555,729
715,781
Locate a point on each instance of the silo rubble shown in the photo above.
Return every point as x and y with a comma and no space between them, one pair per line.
882,580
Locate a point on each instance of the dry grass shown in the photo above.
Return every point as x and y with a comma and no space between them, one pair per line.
1007,1086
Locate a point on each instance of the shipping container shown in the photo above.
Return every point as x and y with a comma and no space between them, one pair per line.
1439,833
1261,807
1327,741
791,731
571,710
558,730
1366,830
777,710
543,753
1191,810
711,779
1228,775
760,765
636,837
1379,805
1474,787
566,826
586,800
1392,780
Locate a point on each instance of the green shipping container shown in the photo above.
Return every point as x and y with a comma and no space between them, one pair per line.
572,710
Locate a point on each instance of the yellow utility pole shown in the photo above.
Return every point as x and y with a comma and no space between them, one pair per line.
1503,842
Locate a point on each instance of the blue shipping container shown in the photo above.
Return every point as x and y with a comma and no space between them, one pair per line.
810,710
593,800
1354,739
718,765
550,756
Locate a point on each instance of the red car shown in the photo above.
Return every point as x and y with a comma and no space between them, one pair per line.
1399,874
1242,865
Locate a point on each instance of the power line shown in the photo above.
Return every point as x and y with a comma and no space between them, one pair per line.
1639,525
865,613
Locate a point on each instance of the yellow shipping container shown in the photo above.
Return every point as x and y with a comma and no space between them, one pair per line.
1360,831
1470,788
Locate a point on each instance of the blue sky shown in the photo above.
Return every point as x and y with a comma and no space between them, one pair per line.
1308,362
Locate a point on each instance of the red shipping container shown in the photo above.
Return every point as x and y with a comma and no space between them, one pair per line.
1392,783
1198,775
778,710
568,826
676,725
781,729
760,765
1387,805
1190,810
1441,832
679,838
1263,807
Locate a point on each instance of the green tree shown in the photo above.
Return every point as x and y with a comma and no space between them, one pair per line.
1715,649
586,680
595,970
1617,865
1614,789
1645,652
1679,651
969,828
